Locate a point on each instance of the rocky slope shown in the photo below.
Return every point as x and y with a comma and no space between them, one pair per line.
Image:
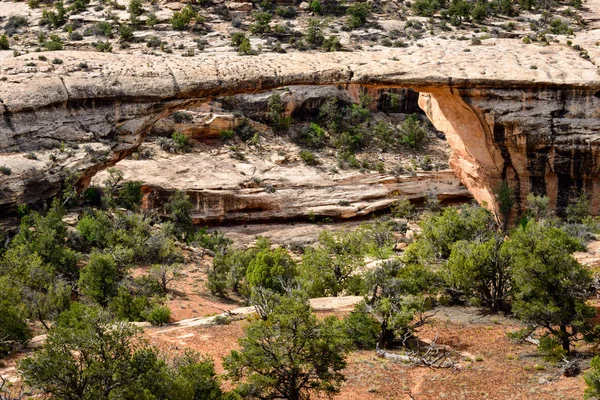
531,118
266,187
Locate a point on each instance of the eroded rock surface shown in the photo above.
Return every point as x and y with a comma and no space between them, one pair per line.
223,190
524,112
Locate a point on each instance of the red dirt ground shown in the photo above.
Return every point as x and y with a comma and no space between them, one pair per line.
505,371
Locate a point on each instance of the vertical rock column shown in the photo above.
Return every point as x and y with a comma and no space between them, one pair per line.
474,159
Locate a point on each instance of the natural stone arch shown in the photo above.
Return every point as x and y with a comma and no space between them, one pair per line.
539,130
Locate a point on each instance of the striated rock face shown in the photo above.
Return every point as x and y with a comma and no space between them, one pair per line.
321,197
542,140
535,126
261,189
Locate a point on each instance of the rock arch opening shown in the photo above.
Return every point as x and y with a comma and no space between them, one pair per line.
267,181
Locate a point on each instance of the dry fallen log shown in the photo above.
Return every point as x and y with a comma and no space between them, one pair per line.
433,357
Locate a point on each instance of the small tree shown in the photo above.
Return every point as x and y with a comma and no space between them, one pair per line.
314,33
261,24
4,45
482,270
181,19
577,211
441,231
592,379
165,274
46,235
14,331
538,206
130,195
504,197
179,207
551,286
100,278
290,355
426,8
136,8
90,356
412,132
272,269
276,112
395,299
228,272
330,269
357,15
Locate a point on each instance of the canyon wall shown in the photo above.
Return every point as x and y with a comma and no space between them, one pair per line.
536,127
541,140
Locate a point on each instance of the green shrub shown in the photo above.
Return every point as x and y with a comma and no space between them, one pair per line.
179,207
314,137
332,43
226,134
276,112
125,32
14,24
100,278
592,379
286,12
4,45
357,15
4,170
412,132
261,24
314,33
308,157
361,327
103,47
271,269
158,315
55,44
153,42
182,117
78,6
576,212
237,38
130,195
55,18
315,6
245,48
403,208
426,8
14,330
127,306
136,8
214,241
221,320
181,19
182,141
104,29
151,20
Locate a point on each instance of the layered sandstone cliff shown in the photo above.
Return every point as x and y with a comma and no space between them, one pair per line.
531,118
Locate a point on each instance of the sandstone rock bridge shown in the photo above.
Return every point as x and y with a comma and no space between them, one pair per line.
528,114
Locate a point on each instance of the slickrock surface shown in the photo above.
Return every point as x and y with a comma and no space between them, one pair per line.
223,190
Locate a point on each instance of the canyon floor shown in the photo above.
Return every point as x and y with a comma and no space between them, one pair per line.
246,188
488,364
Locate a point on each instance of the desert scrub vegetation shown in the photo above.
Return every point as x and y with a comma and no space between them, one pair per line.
462,255
352,129
242,44
177,143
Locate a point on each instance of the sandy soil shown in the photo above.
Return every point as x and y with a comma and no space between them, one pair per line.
505,371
